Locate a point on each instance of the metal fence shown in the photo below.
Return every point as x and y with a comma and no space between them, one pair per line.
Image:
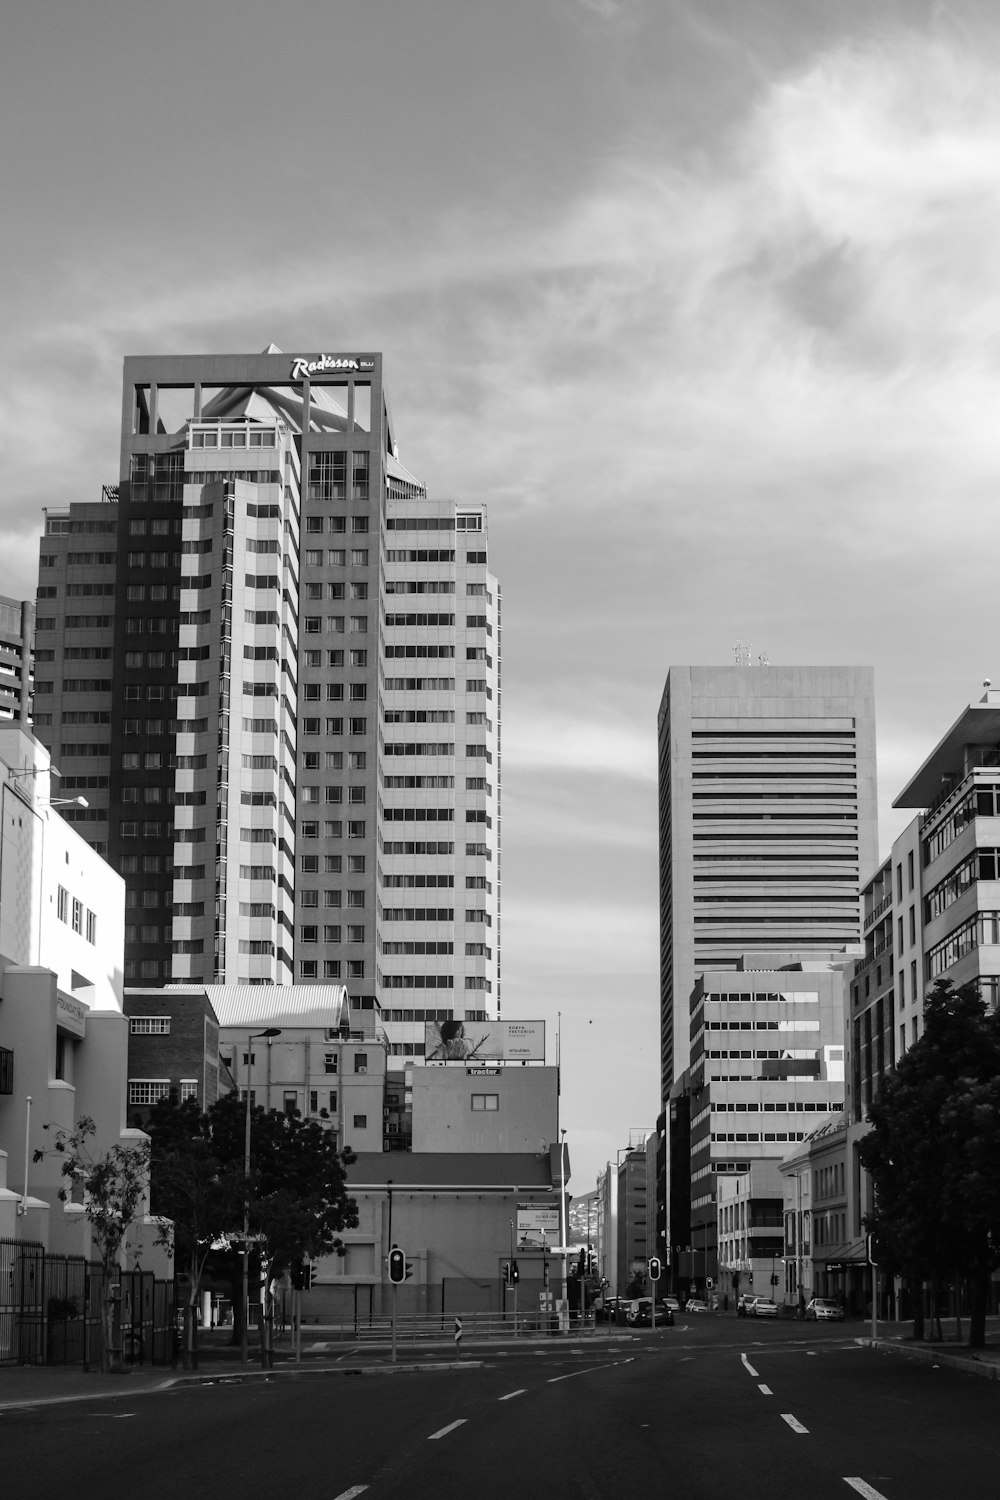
50,1310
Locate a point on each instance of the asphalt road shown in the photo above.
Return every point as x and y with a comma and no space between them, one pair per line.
710,1409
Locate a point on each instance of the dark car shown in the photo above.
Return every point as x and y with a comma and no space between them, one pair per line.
639,1313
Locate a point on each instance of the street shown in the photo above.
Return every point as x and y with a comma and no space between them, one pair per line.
710,1408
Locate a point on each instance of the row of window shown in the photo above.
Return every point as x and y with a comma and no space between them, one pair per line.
984,927
336,525
72,911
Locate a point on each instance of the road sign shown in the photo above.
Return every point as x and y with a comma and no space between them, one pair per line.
458,1334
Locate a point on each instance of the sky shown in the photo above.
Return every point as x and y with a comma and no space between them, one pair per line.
702,299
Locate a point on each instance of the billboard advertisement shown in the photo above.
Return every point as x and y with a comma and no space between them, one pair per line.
482,1041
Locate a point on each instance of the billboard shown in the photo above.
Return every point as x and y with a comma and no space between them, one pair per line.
481,1041
537,1219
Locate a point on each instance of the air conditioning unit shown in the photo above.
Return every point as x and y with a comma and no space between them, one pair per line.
362,1069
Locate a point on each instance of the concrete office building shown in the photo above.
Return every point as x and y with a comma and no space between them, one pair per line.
17,645
931,911
767,1065
303,666
768,822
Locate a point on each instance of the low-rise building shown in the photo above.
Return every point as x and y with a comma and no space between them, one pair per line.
63,1033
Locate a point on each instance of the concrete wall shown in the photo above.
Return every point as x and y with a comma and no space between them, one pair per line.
526,1117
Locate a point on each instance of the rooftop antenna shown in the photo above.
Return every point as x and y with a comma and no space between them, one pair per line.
742,653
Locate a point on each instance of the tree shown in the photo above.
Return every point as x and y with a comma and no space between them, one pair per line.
197,1192
296,1191
113,1187
934,1151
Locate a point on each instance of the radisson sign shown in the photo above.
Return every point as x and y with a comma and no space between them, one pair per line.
303,368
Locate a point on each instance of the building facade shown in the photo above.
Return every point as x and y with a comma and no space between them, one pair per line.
63,1035
17,658
767,1064
288,724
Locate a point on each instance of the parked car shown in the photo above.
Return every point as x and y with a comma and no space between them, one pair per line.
672,1303
762,1307
743,1304
606,1309
695,1305
824,1308
639,1313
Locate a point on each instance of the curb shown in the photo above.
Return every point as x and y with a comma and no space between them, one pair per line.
969,1364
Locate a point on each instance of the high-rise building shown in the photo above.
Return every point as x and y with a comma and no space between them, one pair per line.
292,738
767,823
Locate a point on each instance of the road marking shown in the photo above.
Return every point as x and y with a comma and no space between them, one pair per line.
511,1394
748,1366
356,1489
445,1430
554,1379
765,1390
793,1422
864,1489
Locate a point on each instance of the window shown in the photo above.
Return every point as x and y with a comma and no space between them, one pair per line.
360,1122
289,1101
149,1025
147,1090
485,1102
189,1088
361,1062
62,904
330,1065
77,915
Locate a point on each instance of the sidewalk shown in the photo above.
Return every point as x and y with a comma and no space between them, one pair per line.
897,1339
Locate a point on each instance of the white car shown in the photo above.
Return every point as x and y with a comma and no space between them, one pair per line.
762,1307
824,1308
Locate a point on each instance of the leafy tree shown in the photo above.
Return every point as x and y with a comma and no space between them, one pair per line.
199,1194
298,1202
113,1187
934,1151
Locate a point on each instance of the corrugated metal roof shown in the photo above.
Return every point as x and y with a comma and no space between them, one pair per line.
291,1005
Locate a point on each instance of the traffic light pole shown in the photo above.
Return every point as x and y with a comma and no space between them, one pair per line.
394,1290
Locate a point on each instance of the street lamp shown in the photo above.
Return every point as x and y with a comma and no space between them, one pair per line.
244,1337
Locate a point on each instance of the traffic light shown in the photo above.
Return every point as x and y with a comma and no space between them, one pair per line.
302,1275
750,1278
308,1272
511,1274
397,1265
655,1268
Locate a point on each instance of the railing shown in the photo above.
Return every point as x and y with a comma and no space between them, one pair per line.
477,1327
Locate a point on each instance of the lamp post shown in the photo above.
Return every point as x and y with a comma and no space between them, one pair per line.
563,1227
244,1337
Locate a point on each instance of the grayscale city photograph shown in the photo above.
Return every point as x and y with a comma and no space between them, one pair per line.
499,752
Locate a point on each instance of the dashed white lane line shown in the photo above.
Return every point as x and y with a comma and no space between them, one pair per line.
442,1432
765,1390
356,1489
511,1394
793,1422
748,1366
864,1489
